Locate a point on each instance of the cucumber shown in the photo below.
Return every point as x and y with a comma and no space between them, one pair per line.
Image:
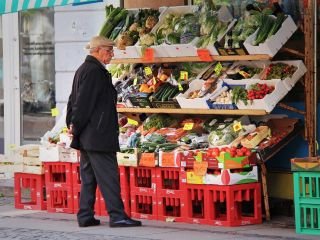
167,94
174,93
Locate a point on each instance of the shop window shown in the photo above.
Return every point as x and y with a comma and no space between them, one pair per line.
1,91
37,72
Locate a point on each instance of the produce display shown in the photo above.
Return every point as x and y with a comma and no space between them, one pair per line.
236,136
125,27
278,71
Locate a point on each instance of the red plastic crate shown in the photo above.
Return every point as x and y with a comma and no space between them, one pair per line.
76,180
143,180
196,204
169,182
60,200
58,174
76,202
229,205
171,208
126,203
144,206
35,184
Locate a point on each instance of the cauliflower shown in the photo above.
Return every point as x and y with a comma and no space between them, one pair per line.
133,27
147,40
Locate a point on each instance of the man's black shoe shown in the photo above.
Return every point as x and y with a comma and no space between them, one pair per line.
126,222
92,222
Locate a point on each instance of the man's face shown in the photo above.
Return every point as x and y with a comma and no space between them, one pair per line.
105,54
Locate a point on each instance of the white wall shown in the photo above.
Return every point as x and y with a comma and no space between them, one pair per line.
74,26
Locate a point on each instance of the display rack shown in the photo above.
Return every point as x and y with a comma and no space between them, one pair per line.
191,59
193,111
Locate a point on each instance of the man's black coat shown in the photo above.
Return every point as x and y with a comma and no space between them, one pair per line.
92,109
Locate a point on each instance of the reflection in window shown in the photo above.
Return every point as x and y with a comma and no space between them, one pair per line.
37,72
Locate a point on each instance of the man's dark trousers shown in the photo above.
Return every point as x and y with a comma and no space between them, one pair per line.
99,168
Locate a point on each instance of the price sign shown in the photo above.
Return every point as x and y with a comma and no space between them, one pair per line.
168,159
148,55
12,146
135,81
218,68
154,81
147,160
237,126
54,112
147,71
204,55
200,168
184,75
132,122
188,126
180,87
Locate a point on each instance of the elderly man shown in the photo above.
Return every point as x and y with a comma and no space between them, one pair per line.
93,121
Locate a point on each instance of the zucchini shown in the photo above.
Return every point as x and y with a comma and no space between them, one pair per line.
164,92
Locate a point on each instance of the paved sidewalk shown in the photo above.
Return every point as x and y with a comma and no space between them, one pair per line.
27,224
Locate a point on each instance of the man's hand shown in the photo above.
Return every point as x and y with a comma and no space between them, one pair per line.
70,129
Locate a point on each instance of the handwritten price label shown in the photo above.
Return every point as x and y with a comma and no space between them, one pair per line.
168,159
204,55
54,112
147,71
148,55
132,122
180,87
200,168
147,160
237,126
188,126
184,75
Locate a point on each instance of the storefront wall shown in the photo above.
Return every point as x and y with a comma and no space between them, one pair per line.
27,113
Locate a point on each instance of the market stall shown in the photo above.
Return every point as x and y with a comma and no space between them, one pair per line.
196,89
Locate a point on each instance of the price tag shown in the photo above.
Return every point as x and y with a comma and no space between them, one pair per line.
168,159
244,74
188,126
218,68
237,126
132,122
184,75
148,55
180,87
198,157
147,71
147,160
135,81
12,146
204,55
200,168
154,81
54,112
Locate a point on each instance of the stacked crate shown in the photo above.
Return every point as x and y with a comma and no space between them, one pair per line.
306,181
29,180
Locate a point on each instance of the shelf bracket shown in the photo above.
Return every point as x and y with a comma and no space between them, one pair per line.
292,109
294,52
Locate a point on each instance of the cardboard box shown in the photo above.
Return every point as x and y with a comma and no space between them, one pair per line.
273,44
194,179
232,176
169,159
306,164
128,159
56,153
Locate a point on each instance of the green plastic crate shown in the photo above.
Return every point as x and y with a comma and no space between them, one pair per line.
307,202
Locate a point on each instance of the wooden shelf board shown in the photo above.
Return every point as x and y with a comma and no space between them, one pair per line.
192,111
191,59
